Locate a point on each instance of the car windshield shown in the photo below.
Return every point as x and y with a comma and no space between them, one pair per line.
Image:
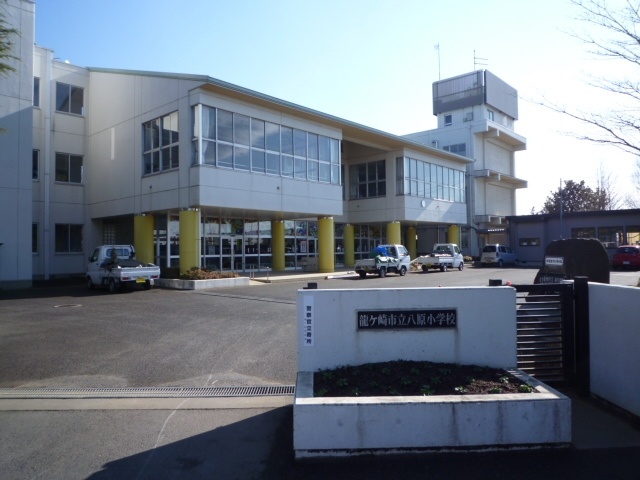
489,248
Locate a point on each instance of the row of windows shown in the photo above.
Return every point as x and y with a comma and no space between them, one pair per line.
423,179
68,167
68,238
240,142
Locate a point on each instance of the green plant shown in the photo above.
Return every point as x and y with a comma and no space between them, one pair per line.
524,388
495,390
427,391
503,379
355,392
460,390
342,382
406,381
327,375
445,371
322,392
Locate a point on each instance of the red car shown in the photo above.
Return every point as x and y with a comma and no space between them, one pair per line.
627,256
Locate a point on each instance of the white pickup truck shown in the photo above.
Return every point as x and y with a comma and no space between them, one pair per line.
443,257
385,259
115,267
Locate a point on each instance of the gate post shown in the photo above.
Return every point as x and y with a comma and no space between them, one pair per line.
583,367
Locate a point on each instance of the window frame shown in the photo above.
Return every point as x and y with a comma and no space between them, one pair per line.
70,172
69,98
35,165
69,244
36,92
161,144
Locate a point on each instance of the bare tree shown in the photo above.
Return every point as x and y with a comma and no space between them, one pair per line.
606,193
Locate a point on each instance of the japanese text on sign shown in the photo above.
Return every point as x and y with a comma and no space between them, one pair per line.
307,321
403,319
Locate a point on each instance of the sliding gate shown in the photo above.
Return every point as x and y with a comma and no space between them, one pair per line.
546,331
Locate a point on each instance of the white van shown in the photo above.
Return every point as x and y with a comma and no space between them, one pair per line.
498,255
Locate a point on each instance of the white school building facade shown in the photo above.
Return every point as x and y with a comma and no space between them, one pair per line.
196,172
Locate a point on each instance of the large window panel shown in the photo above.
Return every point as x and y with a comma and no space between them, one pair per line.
161,144
257,133
68,168
273,163
242,158
299,143
69,99
257,160
272,132
241,129
225,155
68,238
225,126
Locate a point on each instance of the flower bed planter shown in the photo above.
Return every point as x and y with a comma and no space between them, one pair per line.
201,284
343,426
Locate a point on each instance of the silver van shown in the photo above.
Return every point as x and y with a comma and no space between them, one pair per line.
498,255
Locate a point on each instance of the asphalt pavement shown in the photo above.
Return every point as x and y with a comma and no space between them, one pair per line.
65,337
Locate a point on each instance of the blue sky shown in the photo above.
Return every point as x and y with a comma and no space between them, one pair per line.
367,61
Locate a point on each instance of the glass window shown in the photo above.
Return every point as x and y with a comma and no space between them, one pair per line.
367,180
287,166
161,144
225,155
448,120
273,163
34,238
312,145
68,238
69,99
257,160
272,132
209,122
35,165
36,92
299,143
242,159
225,126
286,138
257,133
68,168
241,129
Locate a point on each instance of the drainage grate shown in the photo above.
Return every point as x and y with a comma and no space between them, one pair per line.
153,392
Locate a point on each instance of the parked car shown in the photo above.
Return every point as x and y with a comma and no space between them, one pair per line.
627,256
498,255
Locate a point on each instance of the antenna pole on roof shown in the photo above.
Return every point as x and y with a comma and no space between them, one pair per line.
437,47
476,62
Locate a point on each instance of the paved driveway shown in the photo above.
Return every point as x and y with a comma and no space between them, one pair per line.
69,337
72,337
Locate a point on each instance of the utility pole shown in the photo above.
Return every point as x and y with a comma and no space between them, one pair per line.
437,47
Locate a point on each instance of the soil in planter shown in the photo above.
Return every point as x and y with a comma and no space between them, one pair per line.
414,378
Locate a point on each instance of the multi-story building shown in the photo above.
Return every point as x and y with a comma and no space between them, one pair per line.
198,172
476,115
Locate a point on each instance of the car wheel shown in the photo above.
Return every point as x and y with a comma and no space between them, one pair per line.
403,271
443,268
90,284
516,263
147,285
500,263
425,269
383,272
461,266
362,274
113,286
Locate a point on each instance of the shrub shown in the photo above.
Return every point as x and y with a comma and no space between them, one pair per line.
197,273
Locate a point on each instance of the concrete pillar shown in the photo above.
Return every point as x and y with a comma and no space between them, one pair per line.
189,239
326,245
393,233
453,234
349,246
410,242
143,239
277,245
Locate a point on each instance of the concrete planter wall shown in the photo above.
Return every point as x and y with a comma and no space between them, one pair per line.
201,284
345,426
